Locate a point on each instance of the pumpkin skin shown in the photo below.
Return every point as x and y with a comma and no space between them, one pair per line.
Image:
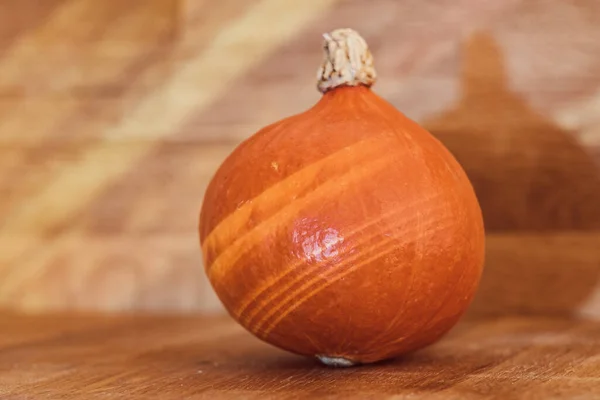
347,232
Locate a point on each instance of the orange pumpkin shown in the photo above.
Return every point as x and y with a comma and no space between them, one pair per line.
346,232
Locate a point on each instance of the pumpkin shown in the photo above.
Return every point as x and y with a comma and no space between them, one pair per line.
346,232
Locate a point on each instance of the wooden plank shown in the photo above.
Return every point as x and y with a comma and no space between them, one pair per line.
540,274
112,273
93,72
123,267
19,17
85,45
176,181
16,330
66,23
191,357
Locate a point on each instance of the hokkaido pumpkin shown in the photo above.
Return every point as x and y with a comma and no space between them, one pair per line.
346,232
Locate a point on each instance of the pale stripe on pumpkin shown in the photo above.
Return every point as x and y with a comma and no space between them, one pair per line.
275,198
222,264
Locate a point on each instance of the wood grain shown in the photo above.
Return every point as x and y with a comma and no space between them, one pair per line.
114,115
89,357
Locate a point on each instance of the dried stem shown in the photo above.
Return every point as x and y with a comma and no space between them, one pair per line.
347,61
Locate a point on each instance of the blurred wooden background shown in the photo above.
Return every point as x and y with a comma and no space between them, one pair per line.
114,115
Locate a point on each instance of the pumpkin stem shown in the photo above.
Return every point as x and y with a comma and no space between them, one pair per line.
347,61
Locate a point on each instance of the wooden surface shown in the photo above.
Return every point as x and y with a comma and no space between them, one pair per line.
89,357
114,115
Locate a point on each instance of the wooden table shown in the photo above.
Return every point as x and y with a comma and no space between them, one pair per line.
183,357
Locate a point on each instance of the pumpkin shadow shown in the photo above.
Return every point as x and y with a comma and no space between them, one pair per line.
532,178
